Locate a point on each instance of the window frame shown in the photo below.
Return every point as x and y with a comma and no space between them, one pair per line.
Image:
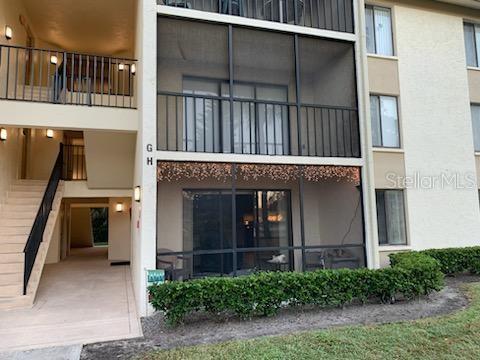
392,31
472,105
475,49
387,244
382,146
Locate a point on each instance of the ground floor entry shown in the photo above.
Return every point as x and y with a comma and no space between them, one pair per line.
81,299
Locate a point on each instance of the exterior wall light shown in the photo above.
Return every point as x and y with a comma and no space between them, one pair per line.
3,134
119,207
121,67
133,69
49,133
8,32
53,60
137,193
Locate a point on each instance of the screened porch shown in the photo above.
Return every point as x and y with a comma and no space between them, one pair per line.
218,219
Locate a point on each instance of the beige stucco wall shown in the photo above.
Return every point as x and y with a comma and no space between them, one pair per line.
388,166
436,124
329,209
81,228
119,237
43,153
110,159
10,12
383,76
10,160
474,85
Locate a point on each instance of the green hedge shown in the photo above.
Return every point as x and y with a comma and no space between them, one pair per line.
451,260
265,293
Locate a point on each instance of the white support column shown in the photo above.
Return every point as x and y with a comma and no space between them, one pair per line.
368,184
144,212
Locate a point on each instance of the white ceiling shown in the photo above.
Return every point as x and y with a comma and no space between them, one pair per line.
105,27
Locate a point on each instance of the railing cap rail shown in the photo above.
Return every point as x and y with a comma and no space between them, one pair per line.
57,51
257,101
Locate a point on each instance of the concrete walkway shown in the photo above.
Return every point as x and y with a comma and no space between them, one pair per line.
80,300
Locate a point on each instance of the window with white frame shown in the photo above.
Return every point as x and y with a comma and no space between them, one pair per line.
379,30
472,43
476,126
384,116
391,217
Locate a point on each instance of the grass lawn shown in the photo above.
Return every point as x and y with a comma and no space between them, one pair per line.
455,336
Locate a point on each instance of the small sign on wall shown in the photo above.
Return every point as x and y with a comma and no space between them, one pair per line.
155,277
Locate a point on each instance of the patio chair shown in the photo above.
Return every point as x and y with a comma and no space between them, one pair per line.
177,267
315,259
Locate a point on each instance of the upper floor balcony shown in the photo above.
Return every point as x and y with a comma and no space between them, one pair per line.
61,77
234,90
59,54
334,15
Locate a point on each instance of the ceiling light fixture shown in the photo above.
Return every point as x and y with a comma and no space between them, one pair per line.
8,32
3,134
137,193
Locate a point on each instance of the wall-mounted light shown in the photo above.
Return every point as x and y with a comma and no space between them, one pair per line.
119,207
133,69
53,60
137,193
3,134
49,133
8,32
121,67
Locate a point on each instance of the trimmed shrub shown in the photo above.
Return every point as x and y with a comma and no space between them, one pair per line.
452,260
265,293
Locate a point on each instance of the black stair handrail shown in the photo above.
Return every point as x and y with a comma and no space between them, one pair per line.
36,234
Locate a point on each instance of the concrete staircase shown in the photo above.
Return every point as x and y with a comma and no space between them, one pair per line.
17,215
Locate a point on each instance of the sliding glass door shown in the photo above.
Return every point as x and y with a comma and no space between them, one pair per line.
262,227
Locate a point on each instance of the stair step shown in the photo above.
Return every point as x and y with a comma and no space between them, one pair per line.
31,182
11,248
11,258
11,268
23,201
11,222
4,215
15,230
11,279
20,208
25,194
26,187
16,302
11,290
13,239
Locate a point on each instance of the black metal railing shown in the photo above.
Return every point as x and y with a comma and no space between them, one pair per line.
60,77
36,234
214,124
74,165
335,15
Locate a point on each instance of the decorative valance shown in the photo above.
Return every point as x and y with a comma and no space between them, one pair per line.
174,171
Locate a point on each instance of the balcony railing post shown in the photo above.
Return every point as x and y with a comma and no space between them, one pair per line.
298,93
64,81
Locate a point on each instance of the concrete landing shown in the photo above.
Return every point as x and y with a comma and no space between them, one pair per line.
80,300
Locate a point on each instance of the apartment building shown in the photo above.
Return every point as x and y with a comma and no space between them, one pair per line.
219,138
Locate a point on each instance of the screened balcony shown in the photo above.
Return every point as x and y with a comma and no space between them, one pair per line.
243,218
223,89
335,15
